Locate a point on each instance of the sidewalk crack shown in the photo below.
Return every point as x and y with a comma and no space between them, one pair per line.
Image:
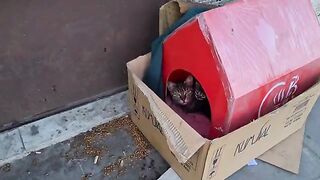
24,147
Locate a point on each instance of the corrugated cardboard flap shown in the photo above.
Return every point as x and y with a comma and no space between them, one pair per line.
182,140
287,154
170,12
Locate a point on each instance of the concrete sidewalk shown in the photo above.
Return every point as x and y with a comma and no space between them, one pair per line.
95,141
23,140
116,150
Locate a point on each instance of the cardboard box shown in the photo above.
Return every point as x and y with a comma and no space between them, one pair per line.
194,157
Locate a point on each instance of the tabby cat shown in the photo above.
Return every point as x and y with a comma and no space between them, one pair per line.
189,95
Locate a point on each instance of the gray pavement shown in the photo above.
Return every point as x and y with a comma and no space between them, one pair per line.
121,151
23,140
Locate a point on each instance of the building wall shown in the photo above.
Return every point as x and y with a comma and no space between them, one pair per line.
55,54
316,6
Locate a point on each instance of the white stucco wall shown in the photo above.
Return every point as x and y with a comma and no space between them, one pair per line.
316,6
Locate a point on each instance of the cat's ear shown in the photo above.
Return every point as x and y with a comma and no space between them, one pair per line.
189,81
171,86
197,85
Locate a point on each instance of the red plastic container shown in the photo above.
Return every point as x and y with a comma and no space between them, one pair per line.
250,57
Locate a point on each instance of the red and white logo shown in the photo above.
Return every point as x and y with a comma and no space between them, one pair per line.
279,94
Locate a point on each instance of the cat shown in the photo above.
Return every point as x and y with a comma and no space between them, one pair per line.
189,95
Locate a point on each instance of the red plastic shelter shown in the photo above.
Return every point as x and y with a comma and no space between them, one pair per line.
250,56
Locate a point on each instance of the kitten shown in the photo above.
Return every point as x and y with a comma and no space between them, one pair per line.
189,95
199,92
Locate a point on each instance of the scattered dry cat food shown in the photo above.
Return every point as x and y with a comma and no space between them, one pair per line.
142,150
86,176
6,167
90,148
89,144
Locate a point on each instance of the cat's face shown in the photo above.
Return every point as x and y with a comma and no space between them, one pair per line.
199,93
182,93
